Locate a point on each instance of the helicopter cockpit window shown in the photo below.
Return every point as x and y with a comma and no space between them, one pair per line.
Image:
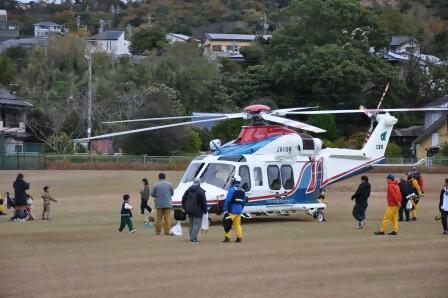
287,177
192,171
245,177
258,176
274,177
218,174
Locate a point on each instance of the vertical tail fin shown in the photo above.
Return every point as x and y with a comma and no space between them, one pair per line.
377,143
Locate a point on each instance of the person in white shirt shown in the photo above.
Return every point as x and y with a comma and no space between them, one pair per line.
443,206
29,206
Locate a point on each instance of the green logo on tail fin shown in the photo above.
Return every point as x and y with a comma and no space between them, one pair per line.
383,136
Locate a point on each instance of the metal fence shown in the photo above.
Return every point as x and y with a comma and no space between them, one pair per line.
22,162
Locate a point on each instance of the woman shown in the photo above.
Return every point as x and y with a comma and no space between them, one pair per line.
144,196
443,207
20,198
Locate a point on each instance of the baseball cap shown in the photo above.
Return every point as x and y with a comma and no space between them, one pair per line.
390,177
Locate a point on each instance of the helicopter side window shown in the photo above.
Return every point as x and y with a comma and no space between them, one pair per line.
274,177
258,176
287,177
192,171
245,177
218,174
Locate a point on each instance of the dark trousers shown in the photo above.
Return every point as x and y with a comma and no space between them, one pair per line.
126,221
194,227
403,210
143,206
359,212
443,218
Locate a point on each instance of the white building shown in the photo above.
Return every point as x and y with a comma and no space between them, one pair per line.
110,42
176,37
43,28
404,45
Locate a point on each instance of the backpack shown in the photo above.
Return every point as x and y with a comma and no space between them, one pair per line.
191,203
239,197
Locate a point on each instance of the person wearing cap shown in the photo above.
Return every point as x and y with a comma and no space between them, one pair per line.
417,176
393,203
360,196
162,192
417,195
443,207
233,207
194,203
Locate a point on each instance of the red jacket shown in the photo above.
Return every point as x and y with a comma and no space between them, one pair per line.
393,194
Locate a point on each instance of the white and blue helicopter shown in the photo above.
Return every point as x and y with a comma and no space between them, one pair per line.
282,170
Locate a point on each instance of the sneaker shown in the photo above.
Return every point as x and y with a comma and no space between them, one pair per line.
359,225
379,233
238,240
392,233
363,223
226,240
132,231
194,240
414,219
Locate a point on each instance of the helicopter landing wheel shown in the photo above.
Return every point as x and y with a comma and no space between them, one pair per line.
319,216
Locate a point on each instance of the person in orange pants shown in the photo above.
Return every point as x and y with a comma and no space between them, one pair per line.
393,203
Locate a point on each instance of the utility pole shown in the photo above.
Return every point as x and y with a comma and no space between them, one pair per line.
89,104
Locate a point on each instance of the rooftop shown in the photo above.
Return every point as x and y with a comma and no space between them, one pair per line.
240,37
47,24
178,35
7,98
401,39
439,102
107,35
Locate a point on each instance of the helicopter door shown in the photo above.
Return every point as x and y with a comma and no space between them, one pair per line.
245,178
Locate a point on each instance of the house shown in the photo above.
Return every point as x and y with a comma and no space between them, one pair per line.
434,133
403,44
44,28
8,29
24,42
13,136
110,42
228,45
176,37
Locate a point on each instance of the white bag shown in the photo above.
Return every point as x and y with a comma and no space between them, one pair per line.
176,230
409,205
204,225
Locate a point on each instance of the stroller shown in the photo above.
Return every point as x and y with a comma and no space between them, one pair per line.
20,212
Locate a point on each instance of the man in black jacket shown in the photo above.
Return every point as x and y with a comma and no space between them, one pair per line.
360,196
194,203
406,193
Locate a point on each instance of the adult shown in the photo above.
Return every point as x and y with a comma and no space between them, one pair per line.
406,195
20,199
417,176
416,197
393,203
162,191
360,196
20,188
443,207
144,197
194,203
233,207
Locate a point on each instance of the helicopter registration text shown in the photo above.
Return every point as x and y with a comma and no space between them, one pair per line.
284,149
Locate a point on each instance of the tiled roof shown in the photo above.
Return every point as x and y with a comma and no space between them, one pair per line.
107,35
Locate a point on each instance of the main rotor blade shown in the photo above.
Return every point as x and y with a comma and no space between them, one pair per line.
282,112
367,111
121,133
292,123
161,118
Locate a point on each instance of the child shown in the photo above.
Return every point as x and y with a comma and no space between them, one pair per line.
47,199
126,215
29,206
2,208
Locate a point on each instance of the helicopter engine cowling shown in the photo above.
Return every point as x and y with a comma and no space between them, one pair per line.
309,145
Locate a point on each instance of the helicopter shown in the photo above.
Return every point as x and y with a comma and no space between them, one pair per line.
282,170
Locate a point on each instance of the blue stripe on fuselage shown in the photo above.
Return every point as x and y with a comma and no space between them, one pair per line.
246,148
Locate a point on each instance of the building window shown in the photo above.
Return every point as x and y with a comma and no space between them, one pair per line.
287,177
274,177
435,139
258,176
216,49
18,148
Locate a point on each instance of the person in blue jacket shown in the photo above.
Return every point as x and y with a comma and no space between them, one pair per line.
233,207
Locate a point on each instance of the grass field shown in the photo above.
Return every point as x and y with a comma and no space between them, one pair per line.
79,253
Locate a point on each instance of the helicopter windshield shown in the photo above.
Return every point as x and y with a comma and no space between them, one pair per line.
218,174
192,172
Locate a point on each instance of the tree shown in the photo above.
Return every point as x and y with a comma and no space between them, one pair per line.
394,151
147,39
6,70
227,130
326,122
